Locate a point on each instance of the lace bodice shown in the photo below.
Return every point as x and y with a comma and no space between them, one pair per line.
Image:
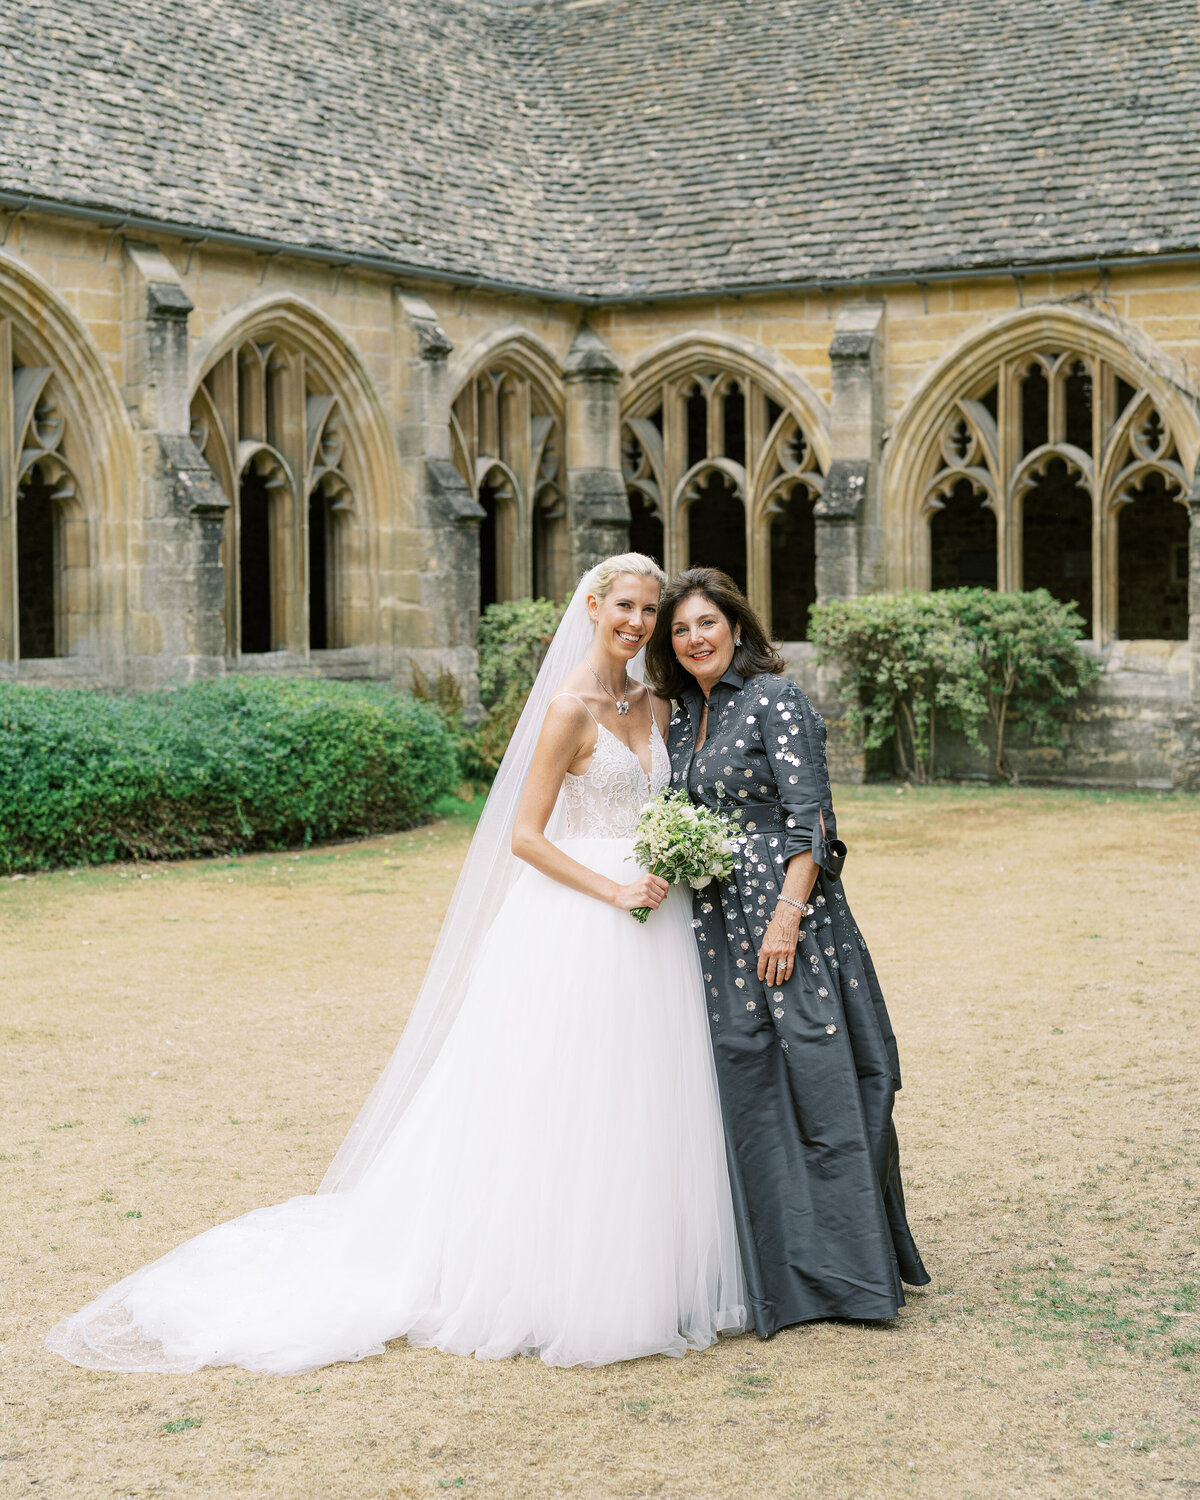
604,802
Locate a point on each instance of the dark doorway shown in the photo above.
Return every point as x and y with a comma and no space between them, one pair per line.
488,582
697,426
1056,539
319,539
254,564
37,567
1035,409
645,528
735,425
793,566
717,529
962,541
1152,565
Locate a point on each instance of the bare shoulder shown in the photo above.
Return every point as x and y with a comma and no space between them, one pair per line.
566,713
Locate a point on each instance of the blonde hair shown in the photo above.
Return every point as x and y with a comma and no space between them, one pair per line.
600,579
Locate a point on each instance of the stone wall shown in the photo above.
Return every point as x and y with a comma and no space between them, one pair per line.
133,327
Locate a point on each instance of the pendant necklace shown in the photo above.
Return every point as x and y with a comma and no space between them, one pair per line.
622,702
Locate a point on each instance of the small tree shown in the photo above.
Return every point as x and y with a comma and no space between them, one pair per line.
1027,647
902,657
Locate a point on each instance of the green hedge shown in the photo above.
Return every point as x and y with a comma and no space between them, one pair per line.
242,763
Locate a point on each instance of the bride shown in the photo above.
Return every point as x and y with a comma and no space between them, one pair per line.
541,1167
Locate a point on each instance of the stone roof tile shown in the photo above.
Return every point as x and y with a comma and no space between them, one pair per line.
622,148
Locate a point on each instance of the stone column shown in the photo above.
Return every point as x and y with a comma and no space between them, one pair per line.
446,508
849,538
597,505
847,513
177,608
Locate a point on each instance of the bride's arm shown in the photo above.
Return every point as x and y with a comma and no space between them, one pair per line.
563,738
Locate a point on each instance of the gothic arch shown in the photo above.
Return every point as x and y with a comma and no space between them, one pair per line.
508,439
715,420
64,431
282,401
1052,396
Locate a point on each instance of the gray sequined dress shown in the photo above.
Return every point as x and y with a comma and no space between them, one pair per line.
807,1069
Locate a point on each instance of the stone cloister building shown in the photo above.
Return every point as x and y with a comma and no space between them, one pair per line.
322,327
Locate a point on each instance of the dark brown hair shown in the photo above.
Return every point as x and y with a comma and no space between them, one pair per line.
754,655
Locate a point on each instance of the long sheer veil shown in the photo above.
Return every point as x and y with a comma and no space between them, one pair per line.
486,876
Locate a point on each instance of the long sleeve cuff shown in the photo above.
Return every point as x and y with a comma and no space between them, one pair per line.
801,838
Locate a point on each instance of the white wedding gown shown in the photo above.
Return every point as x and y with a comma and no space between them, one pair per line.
557,1185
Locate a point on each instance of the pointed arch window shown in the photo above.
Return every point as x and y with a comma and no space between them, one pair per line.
721,472
506,432
1055,470
267,421
44,600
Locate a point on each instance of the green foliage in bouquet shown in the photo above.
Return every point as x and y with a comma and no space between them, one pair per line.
683,843
240,763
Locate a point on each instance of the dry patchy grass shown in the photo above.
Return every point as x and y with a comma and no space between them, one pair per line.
183,1043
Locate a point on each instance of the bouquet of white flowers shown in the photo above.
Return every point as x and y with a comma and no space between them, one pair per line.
681,842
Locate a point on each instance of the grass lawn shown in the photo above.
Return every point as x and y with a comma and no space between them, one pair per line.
185,1042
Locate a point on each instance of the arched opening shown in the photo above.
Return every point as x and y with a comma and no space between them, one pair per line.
793,565
489,591
1152,564
551,562
645,528
1035,409
1056,538
735,425
697,426
1077,393
496,542
321,635
962,541
38,568
254,563
717,528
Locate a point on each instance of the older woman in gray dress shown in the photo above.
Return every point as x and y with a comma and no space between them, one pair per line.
805,1055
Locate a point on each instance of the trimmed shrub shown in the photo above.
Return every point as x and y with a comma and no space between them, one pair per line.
980,659
240,763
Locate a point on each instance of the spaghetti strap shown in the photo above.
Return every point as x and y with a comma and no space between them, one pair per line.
578,699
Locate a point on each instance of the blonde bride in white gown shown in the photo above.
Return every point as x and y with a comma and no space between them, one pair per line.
541,1167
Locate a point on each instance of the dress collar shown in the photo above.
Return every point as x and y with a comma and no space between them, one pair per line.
731,678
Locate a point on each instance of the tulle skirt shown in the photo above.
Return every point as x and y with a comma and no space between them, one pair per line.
557,1186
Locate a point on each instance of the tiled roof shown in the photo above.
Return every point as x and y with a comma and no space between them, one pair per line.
618,148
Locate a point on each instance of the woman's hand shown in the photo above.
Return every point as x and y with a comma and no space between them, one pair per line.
777,955
646,890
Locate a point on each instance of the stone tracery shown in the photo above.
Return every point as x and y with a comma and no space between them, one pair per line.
721,470
506,431
274,433
46,613
1041,475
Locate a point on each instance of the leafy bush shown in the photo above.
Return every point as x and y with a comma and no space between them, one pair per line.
1027,646
241,763
902,657
513,639
978,657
